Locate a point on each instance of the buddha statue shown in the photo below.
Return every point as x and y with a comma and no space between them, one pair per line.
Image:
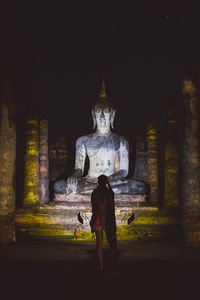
108,154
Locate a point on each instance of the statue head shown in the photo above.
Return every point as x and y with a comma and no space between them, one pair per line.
103,113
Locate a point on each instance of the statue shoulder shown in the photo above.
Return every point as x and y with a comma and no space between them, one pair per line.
122,139
83,139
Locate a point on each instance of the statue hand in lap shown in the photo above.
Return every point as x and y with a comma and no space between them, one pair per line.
117,176
73,181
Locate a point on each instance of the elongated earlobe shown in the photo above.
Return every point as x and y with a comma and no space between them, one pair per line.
112,117
94,119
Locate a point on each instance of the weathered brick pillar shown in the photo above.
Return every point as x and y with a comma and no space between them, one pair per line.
7,164
191,163
44,163
171,189
141,164
31,182
152,158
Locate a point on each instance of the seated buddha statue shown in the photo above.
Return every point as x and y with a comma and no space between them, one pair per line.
108,154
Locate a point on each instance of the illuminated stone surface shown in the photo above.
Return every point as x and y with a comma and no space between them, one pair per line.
31,183
108,154
152,156
44,163
124,205
60,218
7,164
171,162
191,164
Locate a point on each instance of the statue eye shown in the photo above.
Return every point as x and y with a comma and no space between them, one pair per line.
106,110
98,110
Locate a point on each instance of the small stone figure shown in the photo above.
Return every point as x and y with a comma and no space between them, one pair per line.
108,155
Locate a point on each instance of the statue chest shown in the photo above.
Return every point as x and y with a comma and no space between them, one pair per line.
102,148
102,155
102,161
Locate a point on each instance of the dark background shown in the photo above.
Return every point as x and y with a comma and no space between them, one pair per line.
57,56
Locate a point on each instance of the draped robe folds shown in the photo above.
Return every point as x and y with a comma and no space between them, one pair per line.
108,155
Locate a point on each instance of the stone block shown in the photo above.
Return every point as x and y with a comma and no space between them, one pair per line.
7,228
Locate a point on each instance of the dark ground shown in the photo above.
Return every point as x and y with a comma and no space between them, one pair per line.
68,269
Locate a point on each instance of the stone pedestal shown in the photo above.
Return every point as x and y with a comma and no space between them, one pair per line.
81,204
62,217
7,164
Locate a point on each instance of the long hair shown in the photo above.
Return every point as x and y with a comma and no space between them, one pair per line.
103,186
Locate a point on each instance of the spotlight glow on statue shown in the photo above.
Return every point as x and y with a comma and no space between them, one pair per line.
108,154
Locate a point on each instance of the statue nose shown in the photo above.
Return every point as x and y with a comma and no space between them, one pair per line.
102,114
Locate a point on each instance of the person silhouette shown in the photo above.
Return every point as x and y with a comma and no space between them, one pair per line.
103,217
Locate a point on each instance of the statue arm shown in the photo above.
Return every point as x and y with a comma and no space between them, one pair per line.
72,181
124,162
79,157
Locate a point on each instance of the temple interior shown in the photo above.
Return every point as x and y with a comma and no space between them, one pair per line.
93,93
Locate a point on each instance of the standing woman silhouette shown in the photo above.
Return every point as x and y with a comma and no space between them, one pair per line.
103,217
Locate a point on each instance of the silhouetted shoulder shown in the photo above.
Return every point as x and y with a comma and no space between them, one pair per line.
111,193
94,192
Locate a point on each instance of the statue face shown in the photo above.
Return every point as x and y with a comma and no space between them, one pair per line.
103,118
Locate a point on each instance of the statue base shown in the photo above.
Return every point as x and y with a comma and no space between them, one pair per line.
79,206
68,216
85,200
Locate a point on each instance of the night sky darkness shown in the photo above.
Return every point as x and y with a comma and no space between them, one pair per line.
57,57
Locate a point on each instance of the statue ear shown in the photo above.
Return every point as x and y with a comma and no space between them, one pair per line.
112,116
94,119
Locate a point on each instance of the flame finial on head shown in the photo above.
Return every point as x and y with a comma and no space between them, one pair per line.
103,90
103,102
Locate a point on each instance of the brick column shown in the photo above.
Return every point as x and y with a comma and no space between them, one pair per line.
44,163
31,183
7,164
171,189
191,163
152,158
